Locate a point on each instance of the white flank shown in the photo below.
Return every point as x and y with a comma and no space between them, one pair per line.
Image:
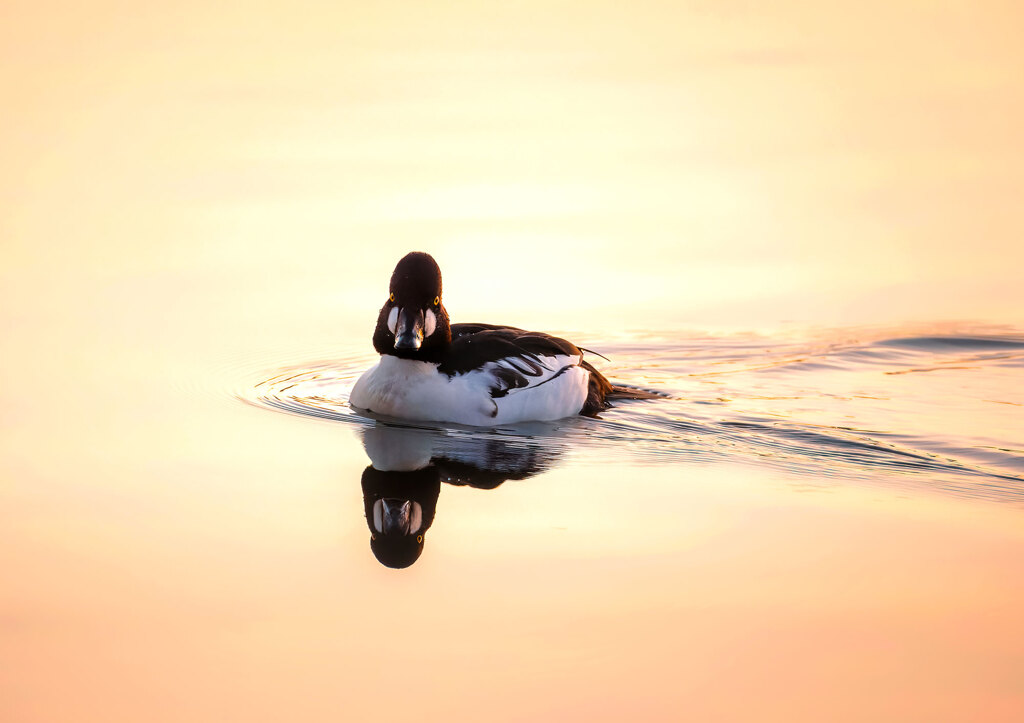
415,390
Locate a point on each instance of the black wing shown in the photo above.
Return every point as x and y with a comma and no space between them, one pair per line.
516,363
473,345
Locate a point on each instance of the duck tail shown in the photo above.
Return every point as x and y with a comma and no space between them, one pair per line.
601,391
597,391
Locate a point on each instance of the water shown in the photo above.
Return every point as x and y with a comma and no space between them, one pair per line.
809,516
799,222
940,412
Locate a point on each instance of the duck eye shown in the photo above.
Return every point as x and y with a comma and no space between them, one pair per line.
392,297
437,300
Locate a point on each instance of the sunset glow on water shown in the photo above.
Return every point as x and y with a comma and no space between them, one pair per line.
800,226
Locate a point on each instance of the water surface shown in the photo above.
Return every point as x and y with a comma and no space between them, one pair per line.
799,222
839,406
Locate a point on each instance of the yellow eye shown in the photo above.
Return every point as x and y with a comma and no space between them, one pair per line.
391,298
419,539
437,300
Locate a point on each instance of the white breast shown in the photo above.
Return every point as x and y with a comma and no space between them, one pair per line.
415,390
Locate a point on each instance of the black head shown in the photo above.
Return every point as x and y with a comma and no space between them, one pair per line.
399,509
413,323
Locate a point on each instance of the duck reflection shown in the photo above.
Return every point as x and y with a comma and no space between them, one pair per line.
407,467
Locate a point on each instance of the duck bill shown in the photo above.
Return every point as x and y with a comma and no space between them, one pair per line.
409,330
396,517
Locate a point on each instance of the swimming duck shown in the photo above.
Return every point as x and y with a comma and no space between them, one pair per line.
474,374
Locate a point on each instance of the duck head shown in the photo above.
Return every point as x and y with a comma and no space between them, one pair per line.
413,323
399,508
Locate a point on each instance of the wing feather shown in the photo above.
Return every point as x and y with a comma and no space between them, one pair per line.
511,359
517,373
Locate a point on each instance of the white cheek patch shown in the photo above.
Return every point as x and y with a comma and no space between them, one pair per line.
416,518
429,323
393,319
378,516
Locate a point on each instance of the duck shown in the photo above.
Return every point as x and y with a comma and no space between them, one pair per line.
474,374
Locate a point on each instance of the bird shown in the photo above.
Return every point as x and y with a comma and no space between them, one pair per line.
475,374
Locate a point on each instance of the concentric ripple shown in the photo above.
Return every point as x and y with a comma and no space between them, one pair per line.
844,405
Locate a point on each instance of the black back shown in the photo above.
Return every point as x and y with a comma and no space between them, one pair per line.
473,345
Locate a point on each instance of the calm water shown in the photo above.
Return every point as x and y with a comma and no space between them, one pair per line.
831,515
800,223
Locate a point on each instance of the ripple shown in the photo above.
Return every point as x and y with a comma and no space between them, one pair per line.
943,343
755,401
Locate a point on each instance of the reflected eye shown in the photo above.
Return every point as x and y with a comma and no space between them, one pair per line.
392,297
437,300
